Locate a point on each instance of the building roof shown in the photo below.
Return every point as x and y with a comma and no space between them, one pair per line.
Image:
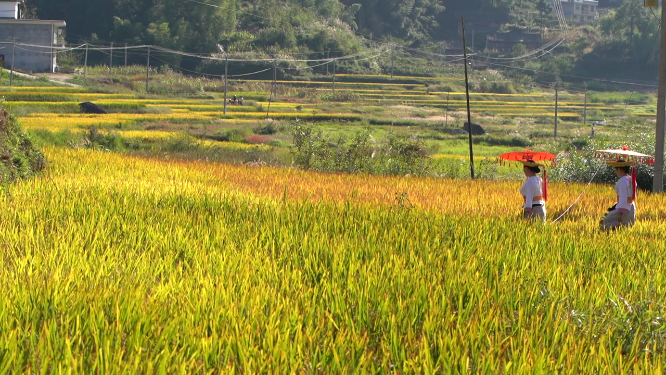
58,23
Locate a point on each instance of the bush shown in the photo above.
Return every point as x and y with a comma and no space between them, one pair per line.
19,158
340,96
267,129
580,166
578,144
230,135
503,141
362,154
497,87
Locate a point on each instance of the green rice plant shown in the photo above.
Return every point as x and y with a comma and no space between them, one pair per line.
38,97
124,264
619,97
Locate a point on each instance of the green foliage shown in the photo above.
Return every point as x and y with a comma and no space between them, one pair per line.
30,97
497,87
631,98
266,129
19,158
361,154
581,166
503,141
340,96
229,135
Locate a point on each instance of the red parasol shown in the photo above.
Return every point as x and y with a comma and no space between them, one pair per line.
627,155
527,155
530,156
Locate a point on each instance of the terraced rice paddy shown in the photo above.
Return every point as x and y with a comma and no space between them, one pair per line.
113,263
117,264
376,91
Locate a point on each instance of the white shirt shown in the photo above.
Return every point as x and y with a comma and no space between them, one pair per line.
530,189
624,191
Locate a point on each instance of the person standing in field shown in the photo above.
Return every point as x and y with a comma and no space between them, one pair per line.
623,213
533,192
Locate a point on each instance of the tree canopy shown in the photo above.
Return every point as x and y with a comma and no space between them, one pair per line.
628,33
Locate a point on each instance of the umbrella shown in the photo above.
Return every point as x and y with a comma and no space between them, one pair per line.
530,156
625,154
527,155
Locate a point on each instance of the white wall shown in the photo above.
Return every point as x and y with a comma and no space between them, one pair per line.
9,10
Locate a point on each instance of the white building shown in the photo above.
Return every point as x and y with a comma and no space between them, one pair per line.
38,39
580,11
9,9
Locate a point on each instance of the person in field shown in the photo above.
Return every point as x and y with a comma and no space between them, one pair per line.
533,192
623,213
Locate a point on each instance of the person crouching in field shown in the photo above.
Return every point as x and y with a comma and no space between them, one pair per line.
533,192
623,213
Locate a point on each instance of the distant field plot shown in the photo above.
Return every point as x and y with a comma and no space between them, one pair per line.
407,105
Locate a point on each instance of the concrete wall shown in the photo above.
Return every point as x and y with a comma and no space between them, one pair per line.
38,60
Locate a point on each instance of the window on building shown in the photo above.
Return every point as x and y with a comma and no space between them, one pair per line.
577,6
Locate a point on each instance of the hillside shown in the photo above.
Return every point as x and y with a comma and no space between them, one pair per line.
620,45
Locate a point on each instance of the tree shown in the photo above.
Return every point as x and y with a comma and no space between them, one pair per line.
408,19
544,10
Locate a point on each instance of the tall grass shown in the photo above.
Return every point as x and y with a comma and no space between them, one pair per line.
118,264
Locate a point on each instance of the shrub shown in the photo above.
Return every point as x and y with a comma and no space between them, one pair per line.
267,129
19,158
230,135
503,141
340,96
581,165
578,144
362,154
497,87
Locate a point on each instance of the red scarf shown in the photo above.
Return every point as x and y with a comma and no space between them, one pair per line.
634,181
545,186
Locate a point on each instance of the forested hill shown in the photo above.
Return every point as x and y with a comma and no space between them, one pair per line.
260,23
622,44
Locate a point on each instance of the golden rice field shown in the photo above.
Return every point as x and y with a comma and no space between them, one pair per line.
119,264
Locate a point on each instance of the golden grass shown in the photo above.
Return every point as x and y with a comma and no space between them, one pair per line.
117,264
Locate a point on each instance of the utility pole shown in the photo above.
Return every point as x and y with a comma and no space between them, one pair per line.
446,124
585,108
275,77
334,76
658,183
53,56
11,76
557,91
111,62
148,71
125,55
469,112
226,80
392,58
85,64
